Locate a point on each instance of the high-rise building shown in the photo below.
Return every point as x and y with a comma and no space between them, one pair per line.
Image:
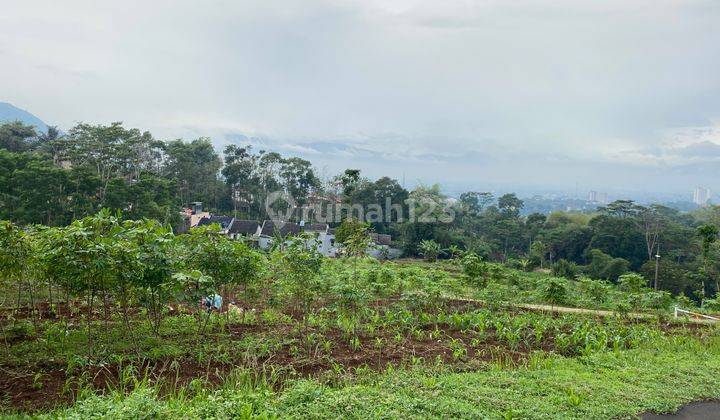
701,196
597,197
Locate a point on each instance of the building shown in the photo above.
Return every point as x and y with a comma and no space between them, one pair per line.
597,197
223,221
270,230
191,217
319,235
240,229
701,196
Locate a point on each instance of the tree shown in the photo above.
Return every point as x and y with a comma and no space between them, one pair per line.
383,201
454,251
226,261
242,176
653,222
708,235
510,205
194,168
15,136
603,266
348,181
298,178
82,255
474,268
473,203
14,255
297,270
538,250
564,268
112,151
354,235
619,236
622,209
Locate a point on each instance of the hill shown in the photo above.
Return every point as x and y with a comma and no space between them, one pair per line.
9,112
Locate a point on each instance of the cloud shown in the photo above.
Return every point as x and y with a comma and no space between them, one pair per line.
705,150
522,90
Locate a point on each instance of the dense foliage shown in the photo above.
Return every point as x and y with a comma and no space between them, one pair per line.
54,178
113,305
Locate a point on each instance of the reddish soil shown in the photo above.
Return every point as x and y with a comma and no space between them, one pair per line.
50,386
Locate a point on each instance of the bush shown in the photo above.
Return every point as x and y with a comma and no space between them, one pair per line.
712,305
659,301
554,291
474,268
565,268
604,266
597,290
632,282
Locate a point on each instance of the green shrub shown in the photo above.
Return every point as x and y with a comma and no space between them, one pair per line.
475,269
555,291
565,268
632,282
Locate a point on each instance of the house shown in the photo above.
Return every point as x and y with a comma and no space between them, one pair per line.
271,229
191,216
223,221
320,235
382,247
244,229
324,237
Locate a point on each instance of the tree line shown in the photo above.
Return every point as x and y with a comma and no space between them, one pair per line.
54,178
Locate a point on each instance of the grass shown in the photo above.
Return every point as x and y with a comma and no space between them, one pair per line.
605,385
656,377
381,341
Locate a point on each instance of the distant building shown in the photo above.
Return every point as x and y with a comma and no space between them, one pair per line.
223,221
191,217
319,235
701,196
243,229
597,197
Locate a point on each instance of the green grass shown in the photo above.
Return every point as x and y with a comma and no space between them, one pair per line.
657,377
604,385
620,368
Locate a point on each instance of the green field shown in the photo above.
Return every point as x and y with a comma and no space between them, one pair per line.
121,334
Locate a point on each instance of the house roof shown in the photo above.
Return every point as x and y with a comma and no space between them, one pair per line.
244,227
381,239
223,221
316,227
269,227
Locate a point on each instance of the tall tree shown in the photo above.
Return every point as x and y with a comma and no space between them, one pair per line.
194,167
16,136
708,235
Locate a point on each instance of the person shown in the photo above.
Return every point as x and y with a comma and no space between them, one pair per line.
213,301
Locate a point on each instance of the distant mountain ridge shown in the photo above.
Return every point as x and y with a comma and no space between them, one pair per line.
9,112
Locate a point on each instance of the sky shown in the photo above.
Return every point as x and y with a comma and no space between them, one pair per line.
543,94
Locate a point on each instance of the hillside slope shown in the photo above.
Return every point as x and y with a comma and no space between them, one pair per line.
9,112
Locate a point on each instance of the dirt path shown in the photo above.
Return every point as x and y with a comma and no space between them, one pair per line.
704,410
597,312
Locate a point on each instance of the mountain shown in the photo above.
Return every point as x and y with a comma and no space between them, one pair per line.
8,113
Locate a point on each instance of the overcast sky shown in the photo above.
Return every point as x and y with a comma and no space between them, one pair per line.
605,95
